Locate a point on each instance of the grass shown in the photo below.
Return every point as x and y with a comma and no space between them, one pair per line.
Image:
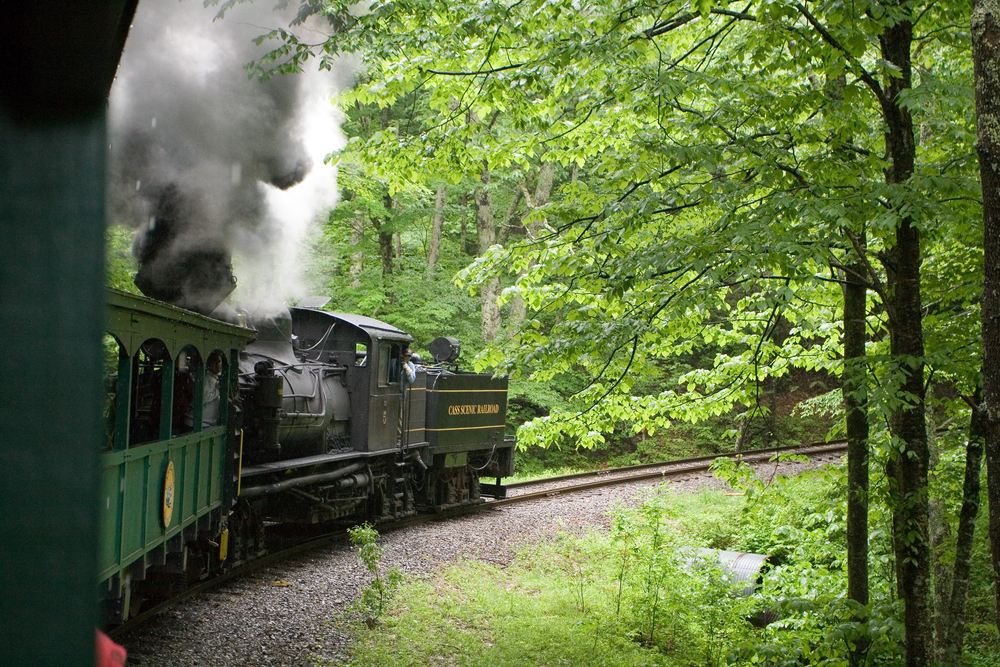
539,464
542,610
574,599
623,597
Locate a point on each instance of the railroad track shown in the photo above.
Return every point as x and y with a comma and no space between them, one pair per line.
662,469
565,484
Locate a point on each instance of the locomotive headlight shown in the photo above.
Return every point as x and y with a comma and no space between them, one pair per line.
445,349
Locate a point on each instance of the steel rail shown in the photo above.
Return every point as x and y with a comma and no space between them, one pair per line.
668,469
659,464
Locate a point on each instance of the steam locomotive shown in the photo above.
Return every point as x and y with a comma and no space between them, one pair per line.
312,425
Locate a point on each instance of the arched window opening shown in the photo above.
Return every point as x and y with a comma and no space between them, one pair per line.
112,352
187,382
213,390
152,369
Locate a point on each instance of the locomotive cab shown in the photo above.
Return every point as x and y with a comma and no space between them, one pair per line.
328,425
383,416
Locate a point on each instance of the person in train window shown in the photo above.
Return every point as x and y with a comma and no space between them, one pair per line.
409,374
210,410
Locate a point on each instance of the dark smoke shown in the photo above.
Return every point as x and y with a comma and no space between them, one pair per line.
195,145
195,277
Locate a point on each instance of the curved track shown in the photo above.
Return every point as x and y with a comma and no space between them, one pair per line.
662,469
551,486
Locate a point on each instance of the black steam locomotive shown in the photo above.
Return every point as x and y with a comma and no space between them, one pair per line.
334,430
313,424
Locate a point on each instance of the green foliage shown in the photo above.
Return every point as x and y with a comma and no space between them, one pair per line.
423,307
715,168
560,602
799,523
822,629
120,266
375,597
668,595
637,594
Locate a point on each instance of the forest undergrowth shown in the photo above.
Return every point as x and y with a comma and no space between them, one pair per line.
679,441
642,593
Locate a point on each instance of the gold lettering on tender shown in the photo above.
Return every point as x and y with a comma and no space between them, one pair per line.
480,409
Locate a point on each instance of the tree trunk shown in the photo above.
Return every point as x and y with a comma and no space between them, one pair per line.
985,26
950,646
467,245
463,233
385,237
385,247
486,228
437,226
940,532
772,387
543,192
503,234
358,256
907,469
517,308
385,250
855,390
399,250
384,233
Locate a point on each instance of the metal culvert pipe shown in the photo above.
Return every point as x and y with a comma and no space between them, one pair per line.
737,566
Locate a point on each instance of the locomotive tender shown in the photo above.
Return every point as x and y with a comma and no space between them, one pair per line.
313,426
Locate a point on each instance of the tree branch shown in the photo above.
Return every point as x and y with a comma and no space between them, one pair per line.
866,76
863,256
493,70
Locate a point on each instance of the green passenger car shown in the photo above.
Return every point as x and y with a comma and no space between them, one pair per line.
172,447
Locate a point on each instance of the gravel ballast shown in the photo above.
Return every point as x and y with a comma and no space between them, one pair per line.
281,615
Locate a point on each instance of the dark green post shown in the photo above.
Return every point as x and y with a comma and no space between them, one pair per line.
57,61
123,402
167,400
198,409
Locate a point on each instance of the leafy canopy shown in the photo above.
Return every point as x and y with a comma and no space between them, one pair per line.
727,163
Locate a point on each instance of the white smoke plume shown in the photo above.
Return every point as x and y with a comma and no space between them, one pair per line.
206,162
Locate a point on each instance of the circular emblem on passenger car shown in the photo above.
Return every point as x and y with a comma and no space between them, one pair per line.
168,494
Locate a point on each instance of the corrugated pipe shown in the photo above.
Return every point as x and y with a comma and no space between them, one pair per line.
263,489
737,567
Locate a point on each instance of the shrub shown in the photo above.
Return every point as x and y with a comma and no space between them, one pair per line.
375,597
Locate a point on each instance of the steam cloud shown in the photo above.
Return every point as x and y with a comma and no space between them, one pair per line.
206,162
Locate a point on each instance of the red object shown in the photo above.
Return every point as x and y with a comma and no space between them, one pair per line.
108,653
